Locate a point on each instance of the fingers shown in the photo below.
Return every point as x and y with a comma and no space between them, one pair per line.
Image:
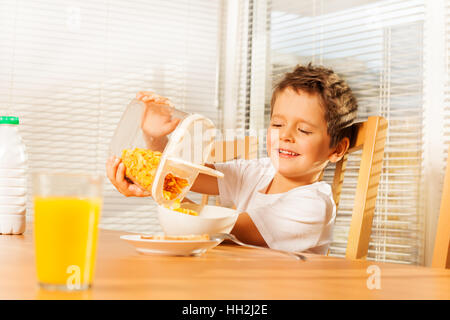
148,96
138,192
115,171
141,94
122,183
112,172
111,168
120,175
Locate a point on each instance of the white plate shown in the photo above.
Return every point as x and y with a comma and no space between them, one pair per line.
170,247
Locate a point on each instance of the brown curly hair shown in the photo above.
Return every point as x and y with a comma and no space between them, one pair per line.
337,99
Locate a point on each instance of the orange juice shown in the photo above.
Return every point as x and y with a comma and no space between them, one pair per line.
65,234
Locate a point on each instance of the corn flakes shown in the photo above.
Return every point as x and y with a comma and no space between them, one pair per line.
177,207
141,165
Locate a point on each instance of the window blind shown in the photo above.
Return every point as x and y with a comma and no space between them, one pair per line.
235,66
69,69
447,82
377,47
243,69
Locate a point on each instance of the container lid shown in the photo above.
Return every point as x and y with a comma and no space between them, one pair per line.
9,120
185,154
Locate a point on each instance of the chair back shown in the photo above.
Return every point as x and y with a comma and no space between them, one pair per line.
370,136
441,252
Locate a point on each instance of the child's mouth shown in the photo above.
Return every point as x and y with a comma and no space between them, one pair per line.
287,154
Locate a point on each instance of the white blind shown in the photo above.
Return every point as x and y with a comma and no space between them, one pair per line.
235,66
243,68
377,47
68,70
447,83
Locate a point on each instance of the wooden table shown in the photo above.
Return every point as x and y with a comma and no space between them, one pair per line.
225,272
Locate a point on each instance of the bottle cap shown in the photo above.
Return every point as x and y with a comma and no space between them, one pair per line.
9,120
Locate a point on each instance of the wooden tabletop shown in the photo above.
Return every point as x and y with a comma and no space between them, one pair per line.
225,272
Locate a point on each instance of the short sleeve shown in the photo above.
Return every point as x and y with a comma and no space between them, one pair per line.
230,185
297,223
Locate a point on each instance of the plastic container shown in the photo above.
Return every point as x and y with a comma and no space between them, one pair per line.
13,177
185,154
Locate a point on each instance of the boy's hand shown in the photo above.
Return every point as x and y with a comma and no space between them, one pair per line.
115,170
157,121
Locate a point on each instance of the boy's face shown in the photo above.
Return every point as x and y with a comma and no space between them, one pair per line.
297,138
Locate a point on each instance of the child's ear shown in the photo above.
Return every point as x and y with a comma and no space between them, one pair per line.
339,150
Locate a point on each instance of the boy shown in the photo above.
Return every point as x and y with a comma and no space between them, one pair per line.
283,203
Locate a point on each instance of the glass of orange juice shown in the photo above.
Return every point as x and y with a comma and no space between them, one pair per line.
66,214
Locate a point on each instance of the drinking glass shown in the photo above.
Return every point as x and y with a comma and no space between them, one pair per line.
66,214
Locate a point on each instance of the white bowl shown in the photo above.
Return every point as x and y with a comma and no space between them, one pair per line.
211,219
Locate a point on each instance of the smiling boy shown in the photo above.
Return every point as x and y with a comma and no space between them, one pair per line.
282,202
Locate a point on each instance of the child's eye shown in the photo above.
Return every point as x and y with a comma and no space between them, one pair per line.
304,131
276,125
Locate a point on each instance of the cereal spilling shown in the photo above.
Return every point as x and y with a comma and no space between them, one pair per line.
173,186
177,207
187,211
141,165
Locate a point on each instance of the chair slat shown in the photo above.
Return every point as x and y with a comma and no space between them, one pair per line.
371,137
441,252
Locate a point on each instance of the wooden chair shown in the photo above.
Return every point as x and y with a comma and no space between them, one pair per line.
223,151
370,136
441,254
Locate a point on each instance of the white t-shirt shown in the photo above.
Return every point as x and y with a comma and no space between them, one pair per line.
301,219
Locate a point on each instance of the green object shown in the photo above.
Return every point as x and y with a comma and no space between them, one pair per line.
9,120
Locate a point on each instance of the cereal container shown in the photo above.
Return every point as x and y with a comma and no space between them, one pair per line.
170,173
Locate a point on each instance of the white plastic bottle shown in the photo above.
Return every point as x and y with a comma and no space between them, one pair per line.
13,177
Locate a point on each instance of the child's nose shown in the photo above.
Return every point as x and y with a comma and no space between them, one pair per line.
287,135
